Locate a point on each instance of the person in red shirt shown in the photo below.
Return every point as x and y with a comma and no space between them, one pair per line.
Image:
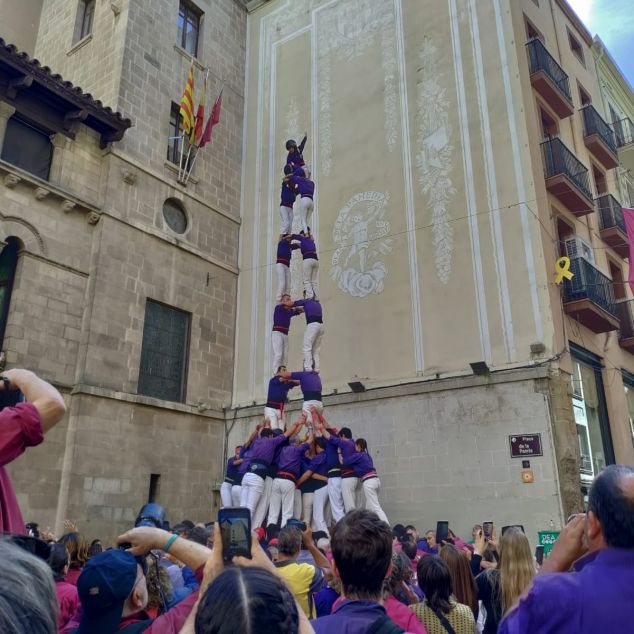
67,597
21,427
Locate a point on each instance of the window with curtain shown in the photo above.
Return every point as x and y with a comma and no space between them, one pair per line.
188,27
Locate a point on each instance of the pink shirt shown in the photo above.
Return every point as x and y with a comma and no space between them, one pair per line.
403,616
68,600
20,427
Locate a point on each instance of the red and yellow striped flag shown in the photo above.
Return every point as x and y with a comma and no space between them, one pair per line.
200,115
187,104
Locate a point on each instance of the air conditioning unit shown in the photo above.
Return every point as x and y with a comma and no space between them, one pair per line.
577,247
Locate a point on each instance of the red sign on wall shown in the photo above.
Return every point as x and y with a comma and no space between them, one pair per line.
526,445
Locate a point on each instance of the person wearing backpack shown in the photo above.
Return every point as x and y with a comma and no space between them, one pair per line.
362,551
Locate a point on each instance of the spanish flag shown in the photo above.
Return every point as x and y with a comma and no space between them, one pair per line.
187,105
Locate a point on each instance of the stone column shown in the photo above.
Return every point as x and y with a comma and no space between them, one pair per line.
59,142
6,112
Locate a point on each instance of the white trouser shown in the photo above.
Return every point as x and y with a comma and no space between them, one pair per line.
286,215
313,334
282,496
236,492
336,498
320,497
306,405
225,494
349,493
252,488
297,504
306,207
310,270
275,417
371,490
280,349
263,505
307,509
283,280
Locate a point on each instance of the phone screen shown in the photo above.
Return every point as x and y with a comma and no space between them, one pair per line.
487,530
539,555
235,528
442,531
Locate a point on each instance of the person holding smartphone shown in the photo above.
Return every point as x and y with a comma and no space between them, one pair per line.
23,426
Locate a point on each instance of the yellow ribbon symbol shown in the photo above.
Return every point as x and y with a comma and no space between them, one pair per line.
563,270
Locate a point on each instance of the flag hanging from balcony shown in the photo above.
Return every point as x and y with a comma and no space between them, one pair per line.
187,104
200,114
214,118
628,216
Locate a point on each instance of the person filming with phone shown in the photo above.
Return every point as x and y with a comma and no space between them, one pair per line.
22,425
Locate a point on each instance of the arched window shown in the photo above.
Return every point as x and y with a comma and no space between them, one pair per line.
8,264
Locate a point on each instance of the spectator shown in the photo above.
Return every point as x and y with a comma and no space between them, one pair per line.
462,581
428,545
303,579
159,587
474,532
599,595
499,588
23,426
77,548
67,598
326,598
362,550
396,588
113,589
439,611
95,548
27,594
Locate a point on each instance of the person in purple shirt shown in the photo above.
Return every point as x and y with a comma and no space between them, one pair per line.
598,596
287,200
313,333
310,263
282,315
314,486
285,249
302,184
362,550
230,477
261,454
288,466
275,399
295,157
310,384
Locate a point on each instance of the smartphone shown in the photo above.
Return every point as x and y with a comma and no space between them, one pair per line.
235,528
539,554
487,530
442,532
518,526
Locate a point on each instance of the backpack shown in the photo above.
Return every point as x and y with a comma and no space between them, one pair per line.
385,625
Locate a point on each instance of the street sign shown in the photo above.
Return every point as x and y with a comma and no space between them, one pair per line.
526,445
547,539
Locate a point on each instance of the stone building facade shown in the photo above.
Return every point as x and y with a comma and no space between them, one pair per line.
104,264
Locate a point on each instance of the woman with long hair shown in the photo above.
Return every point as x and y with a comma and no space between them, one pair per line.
500,588
462,580
439,612
77,548
395,588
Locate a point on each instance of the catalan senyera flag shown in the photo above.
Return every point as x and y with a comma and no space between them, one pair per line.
187,104
214,118
200,115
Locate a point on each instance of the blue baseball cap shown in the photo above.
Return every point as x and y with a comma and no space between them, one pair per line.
103,587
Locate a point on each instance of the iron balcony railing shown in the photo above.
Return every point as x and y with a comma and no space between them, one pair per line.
626,327
589,283
593,123
558,159
624,132
541,59
610,212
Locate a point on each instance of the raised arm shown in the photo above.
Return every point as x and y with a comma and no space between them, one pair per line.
294,428
251,438
320,559
303,143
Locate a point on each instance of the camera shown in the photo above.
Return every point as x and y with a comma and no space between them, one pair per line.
152,515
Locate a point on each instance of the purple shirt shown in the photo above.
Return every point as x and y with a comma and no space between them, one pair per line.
295,157
20,428
346,445
303,186
361,462
291,458
278,392
263,449
285,251
598,597
288,195
349,617
282,318
307,246
310,384
312,310
319,464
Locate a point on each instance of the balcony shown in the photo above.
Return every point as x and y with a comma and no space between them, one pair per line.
549,79
589,297
599,137
626,330
566,177
624,133
611,224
